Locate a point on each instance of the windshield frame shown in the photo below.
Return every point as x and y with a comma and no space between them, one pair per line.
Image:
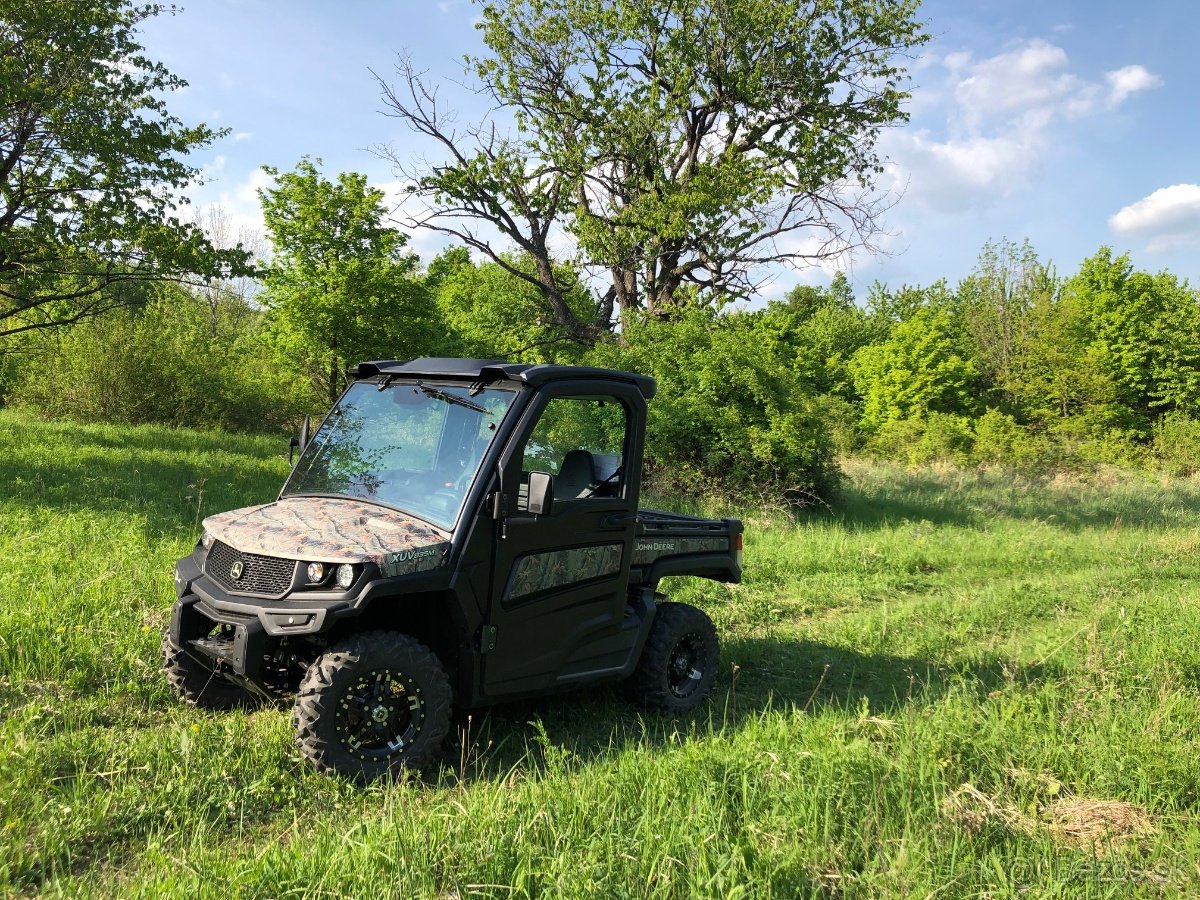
391,382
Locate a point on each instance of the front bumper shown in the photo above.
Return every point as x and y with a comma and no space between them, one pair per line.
201,605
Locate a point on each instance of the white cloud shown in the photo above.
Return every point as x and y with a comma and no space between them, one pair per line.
1129,80
957,61
395,193
1027,78
949,176
242,136
1169,218
986,128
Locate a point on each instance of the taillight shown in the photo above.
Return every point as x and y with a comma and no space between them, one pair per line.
738,549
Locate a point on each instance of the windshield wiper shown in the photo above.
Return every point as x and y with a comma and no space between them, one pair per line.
450,398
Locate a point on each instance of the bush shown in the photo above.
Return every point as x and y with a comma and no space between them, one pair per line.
936,437
177,362
1177,444
729,414
1084,441
999,439
840,418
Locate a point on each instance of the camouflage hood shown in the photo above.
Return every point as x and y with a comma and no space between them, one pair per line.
320,529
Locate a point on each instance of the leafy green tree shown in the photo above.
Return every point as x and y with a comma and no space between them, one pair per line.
916,371
1176,329
1056,372
90,165
680,146
1141,329
825,328
995,303
491,313
805,300
729,414
339,286
889,307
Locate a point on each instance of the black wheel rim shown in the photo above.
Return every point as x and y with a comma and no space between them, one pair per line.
381,715
685,666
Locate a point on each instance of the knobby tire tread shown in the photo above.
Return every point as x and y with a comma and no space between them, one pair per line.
314,708
648,685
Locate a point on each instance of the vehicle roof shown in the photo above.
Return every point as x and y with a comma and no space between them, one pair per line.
496,370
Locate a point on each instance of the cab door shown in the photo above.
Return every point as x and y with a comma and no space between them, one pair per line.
558,595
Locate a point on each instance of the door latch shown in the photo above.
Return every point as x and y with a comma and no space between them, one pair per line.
487,638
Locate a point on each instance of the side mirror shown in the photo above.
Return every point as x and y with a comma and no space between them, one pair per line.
299,442
541,493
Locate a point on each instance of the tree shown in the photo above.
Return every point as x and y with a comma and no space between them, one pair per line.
90,163
729,415
490,313
917,371
1142,331
1056,372
339,286
996,302
680,145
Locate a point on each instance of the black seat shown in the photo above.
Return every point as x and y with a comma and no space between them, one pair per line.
576,476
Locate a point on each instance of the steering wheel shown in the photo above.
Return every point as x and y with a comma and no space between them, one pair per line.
463,481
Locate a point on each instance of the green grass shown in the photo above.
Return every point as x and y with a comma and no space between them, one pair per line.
921,689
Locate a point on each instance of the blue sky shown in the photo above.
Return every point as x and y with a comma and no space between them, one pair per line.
1073,123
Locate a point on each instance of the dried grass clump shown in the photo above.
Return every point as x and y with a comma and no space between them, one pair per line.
1096,825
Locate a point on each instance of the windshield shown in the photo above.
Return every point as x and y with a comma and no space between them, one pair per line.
409,445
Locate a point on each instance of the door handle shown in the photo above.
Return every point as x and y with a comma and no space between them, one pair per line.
616,523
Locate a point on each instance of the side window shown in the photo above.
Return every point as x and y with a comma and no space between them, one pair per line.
581,442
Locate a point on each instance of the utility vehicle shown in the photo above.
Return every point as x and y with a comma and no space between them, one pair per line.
456,533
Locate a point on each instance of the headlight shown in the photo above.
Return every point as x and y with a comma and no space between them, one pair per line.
206,540
345,575
316,573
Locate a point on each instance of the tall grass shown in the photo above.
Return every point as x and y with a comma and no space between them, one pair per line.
954,684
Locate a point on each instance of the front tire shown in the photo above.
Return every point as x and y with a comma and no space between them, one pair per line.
199,685
372,705
679,662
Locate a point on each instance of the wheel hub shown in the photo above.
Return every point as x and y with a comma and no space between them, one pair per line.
683,666
381,715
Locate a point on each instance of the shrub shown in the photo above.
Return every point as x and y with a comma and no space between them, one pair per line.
938,436
840,418
998,438
1177,443
178,362
729,413
1086,440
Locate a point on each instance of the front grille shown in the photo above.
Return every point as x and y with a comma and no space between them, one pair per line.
260,574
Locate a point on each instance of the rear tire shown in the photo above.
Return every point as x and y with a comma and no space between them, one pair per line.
679,662
199,685
373,705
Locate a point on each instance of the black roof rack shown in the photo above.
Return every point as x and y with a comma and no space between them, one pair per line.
495,370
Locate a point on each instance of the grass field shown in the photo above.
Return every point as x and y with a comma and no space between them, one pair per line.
952,685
